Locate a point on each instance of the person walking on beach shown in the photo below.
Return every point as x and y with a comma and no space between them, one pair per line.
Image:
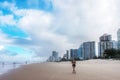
73,65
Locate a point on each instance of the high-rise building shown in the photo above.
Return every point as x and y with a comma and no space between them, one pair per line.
106,37
88,50
54,56
80,52
73,54
118,38
115,44
105,43
67,55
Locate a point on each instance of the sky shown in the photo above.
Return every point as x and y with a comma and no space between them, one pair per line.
32,29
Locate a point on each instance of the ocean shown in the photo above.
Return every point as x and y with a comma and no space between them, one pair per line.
7,66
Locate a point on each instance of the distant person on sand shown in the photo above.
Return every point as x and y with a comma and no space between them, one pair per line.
73,65
3,64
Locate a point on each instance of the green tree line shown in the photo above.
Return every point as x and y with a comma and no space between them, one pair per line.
112,53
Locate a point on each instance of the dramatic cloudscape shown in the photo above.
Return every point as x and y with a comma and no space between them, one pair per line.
32,29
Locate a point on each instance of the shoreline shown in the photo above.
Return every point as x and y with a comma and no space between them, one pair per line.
8,67
86,70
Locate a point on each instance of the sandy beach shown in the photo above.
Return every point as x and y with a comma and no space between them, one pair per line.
86,70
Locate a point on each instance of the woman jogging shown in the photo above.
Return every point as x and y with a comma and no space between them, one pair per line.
73,65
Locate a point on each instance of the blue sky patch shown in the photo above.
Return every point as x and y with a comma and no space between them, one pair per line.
31,4
18,51
13,31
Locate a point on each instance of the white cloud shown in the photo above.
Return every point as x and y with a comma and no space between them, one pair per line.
17,58
35,18
69,24
1,47
7,20
38,24
88,18
7,5
4,40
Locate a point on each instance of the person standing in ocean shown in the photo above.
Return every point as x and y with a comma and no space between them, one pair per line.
73,65
3,64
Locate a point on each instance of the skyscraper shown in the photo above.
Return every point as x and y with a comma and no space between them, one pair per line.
54,56
73,54
80,52
118,38
105,43
115,44
88,50
67,55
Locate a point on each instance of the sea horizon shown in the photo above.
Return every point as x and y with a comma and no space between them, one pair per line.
5,67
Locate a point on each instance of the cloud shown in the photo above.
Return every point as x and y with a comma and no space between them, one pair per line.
8,55
7,5
70,23
7,20
38,24
4,40
1,47
7,52
85,20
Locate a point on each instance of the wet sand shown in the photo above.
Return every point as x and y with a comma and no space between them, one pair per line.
85,70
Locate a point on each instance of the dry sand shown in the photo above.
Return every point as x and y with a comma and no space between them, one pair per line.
86,70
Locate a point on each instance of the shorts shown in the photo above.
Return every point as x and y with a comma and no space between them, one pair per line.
73,65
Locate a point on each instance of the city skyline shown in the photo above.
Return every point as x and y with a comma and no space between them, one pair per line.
31,29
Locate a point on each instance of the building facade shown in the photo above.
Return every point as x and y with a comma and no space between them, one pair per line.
105,43
73,53
54,56
88,50
115,44
67,55
118,38
80,52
